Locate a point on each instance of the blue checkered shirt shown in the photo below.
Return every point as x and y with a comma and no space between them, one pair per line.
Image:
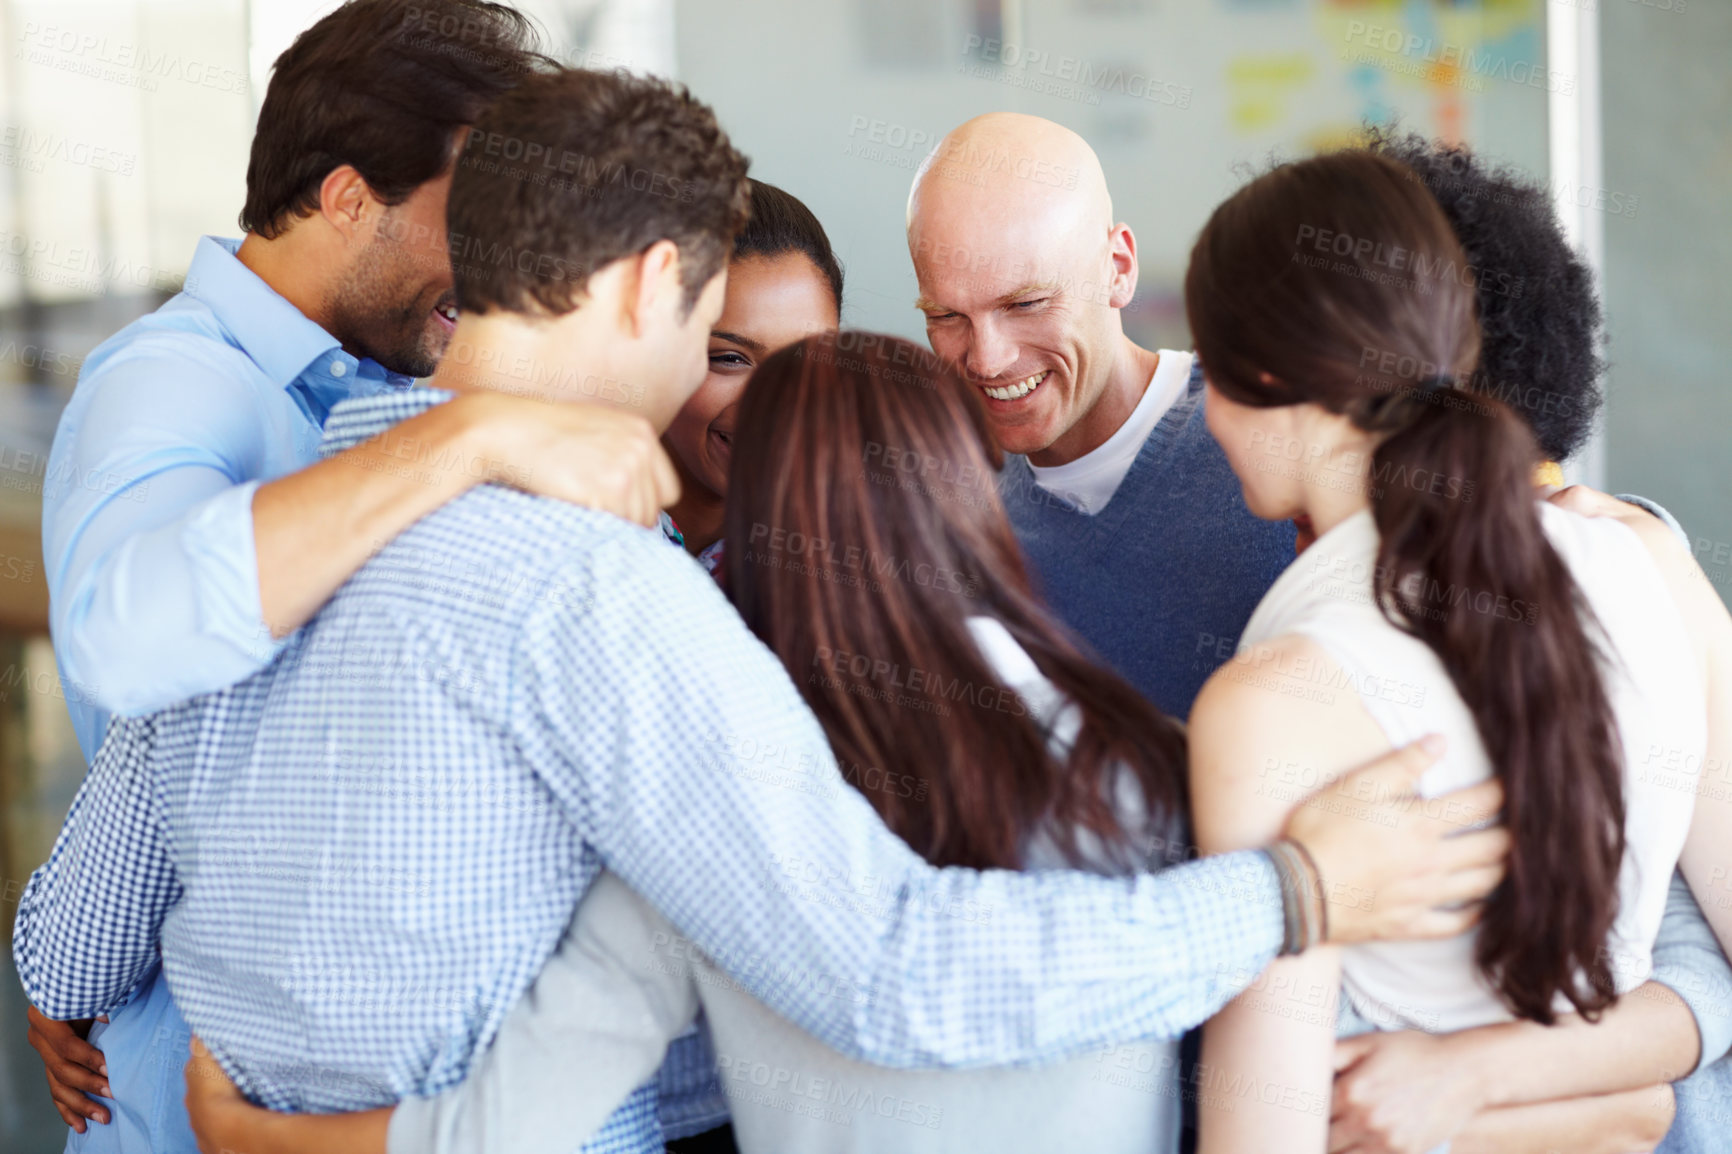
357,859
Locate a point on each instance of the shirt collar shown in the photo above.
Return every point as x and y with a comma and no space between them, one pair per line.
279,337
363,418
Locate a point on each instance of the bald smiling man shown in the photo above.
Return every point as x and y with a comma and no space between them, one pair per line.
1123,502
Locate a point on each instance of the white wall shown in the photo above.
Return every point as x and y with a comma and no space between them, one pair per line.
1667,107
838,101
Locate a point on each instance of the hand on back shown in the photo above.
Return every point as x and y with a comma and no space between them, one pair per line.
1395,865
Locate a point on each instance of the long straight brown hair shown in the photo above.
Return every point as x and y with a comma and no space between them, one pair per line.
864,529
1340,278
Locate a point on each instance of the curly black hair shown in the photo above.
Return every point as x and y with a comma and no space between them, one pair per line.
1539,314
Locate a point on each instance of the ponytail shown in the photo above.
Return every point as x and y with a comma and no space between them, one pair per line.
1338,282
1475,578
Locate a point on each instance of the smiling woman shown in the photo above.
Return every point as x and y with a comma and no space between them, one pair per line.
784,283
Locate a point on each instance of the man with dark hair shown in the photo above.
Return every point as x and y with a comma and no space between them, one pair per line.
1539,354
357,859
187,529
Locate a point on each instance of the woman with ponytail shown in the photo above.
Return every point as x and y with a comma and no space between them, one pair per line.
1334,314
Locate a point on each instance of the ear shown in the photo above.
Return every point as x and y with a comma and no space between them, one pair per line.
347,203
653,275
1122,256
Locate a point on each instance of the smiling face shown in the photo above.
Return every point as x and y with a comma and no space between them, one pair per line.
1030,334
395,303
1022,273
771,302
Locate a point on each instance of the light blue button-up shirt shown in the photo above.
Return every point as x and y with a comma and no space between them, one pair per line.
147,524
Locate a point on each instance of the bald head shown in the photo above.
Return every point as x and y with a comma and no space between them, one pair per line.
1006,162
1022,271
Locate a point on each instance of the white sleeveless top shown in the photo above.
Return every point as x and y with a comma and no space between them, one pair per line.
1651,679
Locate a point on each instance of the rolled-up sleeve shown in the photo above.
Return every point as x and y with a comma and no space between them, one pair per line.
1687,958
148,538
89,920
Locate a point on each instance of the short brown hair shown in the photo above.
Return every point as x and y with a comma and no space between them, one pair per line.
575,169
382,85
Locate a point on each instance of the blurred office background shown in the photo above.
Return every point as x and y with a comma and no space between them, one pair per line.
124,131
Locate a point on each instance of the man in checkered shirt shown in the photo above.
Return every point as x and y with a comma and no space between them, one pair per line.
355,861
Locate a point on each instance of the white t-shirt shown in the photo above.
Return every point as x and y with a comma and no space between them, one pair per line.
1091,480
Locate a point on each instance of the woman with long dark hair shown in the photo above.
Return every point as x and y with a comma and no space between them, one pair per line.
871,553
1333,312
